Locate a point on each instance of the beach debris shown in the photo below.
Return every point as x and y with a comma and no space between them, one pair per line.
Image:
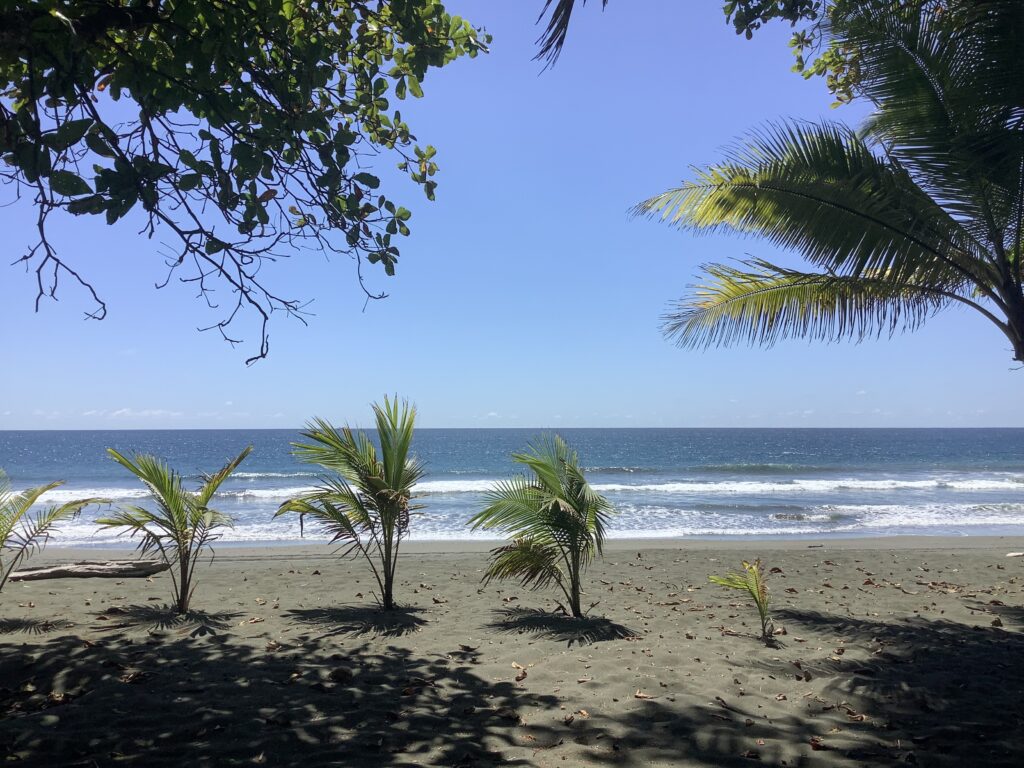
818,744
89,569
1015,554
641,695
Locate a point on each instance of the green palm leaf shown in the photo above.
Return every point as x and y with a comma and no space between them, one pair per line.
24,531
760,303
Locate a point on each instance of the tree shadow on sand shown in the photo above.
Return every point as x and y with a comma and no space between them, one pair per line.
557,626
30,626
355,621
946,690
227,703
156,618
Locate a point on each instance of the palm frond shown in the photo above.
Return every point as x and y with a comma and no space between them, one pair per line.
949,96
820,190
533,564
23,531
212,482
552,40
759,303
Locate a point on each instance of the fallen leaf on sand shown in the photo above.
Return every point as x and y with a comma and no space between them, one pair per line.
521,676
641,695
818,744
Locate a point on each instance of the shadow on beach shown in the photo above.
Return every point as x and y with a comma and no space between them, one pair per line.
30,626
156,703
157,618
559,627
354,621
947,692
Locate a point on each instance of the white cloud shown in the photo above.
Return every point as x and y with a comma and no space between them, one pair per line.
146,413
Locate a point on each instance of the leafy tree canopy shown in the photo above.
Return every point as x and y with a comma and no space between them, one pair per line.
244,130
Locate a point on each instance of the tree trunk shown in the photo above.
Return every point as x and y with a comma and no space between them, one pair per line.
87,569
184,591
388,599
574,597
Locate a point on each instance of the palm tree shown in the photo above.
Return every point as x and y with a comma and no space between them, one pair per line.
23,532
556,521
367,505
182,526
919,210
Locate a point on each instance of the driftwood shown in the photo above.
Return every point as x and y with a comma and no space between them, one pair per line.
91,569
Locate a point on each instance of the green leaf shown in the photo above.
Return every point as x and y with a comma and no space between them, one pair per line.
99,145
68,184
367,180
92,204
189,181
70,133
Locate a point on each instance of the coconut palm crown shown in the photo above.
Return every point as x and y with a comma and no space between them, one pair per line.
919,210
366,503
556,520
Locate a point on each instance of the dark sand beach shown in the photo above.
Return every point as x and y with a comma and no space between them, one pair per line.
894,652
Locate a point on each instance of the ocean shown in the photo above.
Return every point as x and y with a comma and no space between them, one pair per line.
720,483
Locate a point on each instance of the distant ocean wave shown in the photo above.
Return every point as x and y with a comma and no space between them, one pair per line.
1014,484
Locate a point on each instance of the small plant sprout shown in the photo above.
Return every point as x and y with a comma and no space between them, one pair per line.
751,580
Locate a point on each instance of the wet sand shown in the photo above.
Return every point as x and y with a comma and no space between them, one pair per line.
893,652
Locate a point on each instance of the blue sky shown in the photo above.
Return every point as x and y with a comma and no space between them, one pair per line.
526,296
